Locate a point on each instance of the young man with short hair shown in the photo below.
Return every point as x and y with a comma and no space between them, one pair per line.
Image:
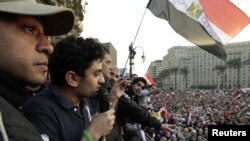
62,111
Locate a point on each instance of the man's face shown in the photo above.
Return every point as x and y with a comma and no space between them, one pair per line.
106,66
91,82
137,87
115,74
153,89
24,50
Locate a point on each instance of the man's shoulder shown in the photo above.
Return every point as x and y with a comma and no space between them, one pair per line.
16,125
41,101
6,108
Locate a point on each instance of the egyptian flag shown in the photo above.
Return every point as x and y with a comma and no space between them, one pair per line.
165,113
149,79
209,24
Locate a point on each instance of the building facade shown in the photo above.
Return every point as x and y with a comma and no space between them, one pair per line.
200,66
155,68
113,53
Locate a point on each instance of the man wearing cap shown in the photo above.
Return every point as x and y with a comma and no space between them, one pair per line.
24,51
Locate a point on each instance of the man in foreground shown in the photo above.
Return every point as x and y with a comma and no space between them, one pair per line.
24,50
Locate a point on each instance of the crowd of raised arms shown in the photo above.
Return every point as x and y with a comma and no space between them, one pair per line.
85,98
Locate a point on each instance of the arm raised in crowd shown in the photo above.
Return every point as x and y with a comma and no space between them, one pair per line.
117,91
138,114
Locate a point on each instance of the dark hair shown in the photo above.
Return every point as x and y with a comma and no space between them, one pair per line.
73,54
143,80
134,74
150,86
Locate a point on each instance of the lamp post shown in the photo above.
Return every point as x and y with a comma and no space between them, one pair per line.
132,56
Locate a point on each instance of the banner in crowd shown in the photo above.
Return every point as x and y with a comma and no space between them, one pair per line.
209,24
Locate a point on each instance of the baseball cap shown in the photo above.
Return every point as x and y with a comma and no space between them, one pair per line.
56,20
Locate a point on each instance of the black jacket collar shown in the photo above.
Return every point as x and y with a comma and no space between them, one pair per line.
12,91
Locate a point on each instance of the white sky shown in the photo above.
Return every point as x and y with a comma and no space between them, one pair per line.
117,21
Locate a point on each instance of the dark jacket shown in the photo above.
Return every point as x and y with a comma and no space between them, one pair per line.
127,108
54,115
12,96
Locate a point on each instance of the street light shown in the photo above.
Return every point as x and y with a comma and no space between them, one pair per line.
132,56
132,50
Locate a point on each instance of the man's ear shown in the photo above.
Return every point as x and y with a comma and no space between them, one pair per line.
72,78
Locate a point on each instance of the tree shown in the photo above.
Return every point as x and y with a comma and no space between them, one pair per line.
221,71
174,70
237,64
246,62
167,76
185,72
163,74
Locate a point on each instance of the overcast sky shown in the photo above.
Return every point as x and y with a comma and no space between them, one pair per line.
117,21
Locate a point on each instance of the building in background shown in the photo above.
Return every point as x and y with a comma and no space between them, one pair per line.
112,51
196,69
155,68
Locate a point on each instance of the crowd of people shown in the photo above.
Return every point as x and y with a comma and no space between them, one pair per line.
192,112
71,92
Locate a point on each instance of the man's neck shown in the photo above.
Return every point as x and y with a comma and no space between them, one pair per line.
70,96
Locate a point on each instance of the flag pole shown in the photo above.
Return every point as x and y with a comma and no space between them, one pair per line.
139,26
131,56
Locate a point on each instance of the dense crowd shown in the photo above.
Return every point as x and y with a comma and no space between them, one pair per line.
192,112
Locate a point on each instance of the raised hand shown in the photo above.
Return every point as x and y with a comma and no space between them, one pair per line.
101,124
117,91
168,127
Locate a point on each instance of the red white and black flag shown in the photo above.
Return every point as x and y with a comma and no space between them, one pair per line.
149,78
209,24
